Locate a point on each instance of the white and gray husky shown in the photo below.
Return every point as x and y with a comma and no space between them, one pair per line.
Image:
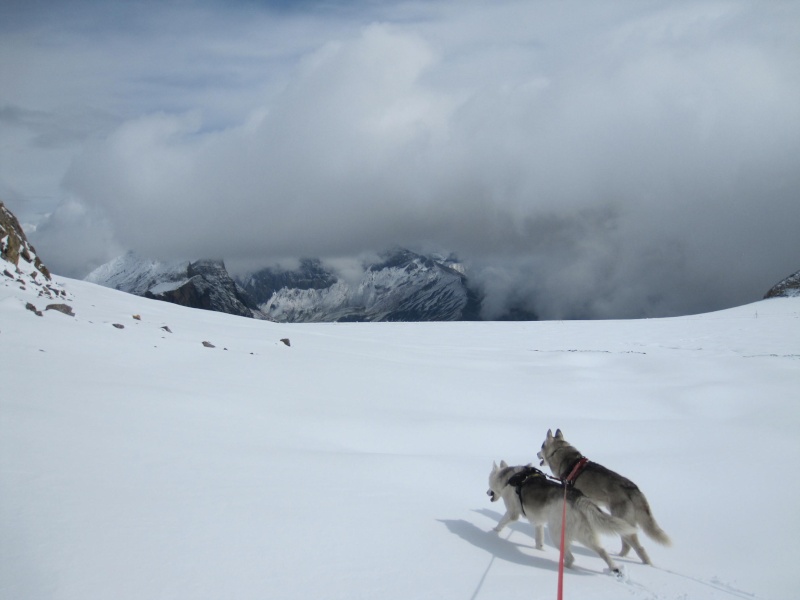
609,489
527,491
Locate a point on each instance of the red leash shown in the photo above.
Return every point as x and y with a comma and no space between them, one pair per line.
576,470
561,559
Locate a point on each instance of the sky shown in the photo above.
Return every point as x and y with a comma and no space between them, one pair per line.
584,160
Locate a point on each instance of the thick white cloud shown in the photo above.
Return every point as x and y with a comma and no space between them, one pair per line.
628,160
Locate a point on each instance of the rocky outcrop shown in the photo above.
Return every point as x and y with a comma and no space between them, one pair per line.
21,267
210,287
789,287
15,248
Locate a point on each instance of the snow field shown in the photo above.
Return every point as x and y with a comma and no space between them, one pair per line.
136,463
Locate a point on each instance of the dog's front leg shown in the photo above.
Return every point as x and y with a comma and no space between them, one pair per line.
539,536
507,518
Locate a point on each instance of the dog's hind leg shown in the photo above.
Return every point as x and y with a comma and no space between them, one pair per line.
626,547
632,541
625,511
604,555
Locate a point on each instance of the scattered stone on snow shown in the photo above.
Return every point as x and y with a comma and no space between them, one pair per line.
33,309
286,341
118,325
167,329
64,308
137,317
209,345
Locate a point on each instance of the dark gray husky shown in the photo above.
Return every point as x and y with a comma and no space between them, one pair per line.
620,495
527,491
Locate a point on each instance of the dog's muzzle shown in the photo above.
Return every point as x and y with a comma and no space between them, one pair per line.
491,495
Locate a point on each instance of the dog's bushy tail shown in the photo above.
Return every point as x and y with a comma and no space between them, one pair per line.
601,521
644,516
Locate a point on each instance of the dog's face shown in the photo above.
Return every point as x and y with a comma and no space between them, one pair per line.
549,446
494,481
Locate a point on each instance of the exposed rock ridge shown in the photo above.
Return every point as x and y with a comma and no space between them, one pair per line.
22,268
14,245
210,287
789,287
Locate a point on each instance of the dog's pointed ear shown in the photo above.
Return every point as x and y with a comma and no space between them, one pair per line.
503,464
494,465
559,435
549,434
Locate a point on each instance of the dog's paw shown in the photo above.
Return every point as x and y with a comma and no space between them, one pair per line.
620,574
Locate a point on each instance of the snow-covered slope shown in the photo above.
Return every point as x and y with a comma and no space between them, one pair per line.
137,462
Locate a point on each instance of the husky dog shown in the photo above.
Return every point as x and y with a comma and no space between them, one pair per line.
509,495
620,495
527,491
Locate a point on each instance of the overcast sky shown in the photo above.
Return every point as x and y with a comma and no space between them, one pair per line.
584,159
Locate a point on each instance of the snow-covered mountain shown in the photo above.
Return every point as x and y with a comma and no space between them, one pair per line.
789,287
202,284
136,275
402,286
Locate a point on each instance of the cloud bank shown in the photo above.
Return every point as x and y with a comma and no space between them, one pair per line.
622,160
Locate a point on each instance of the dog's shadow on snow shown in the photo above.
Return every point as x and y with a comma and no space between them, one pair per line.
502,548
526,528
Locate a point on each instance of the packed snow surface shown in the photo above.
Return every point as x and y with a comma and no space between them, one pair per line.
137,463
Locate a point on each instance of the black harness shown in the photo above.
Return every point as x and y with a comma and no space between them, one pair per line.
518,480
529,472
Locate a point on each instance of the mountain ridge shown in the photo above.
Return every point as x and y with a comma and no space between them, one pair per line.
400,286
